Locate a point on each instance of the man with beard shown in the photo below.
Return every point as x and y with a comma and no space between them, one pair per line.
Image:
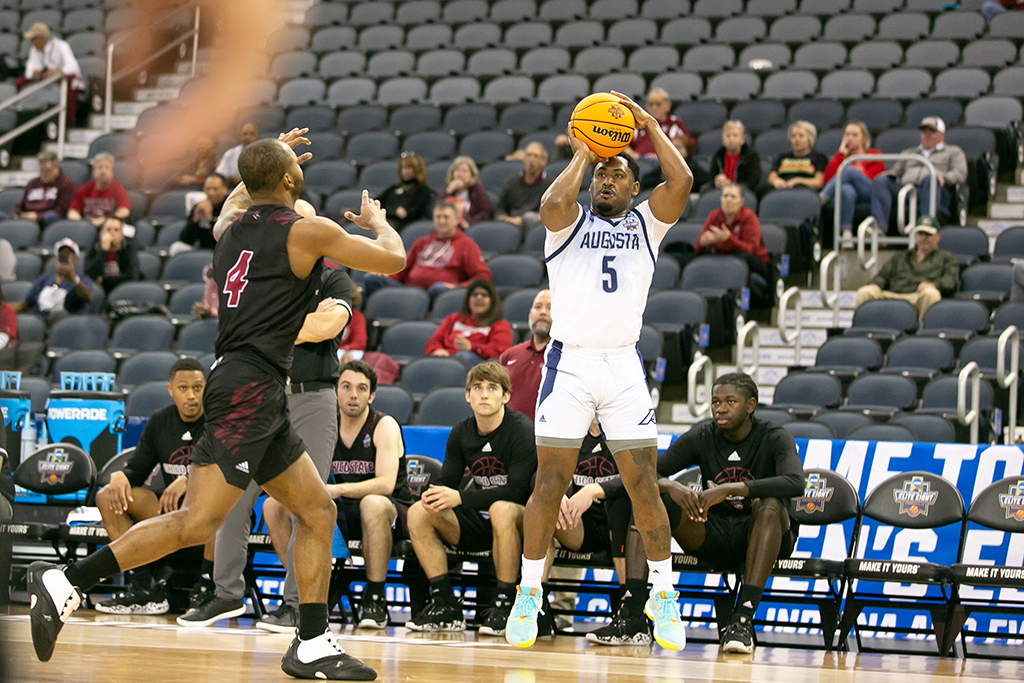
167,441
524,361
248,436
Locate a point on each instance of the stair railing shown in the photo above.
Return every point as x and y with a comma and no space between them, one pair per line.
798,326
830,299
60,110
749,329
700,363
971,417
1009,380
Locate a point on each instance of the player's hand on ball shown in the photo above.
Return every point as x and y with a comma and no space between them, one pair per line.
294,138
579,148
640,115
370,212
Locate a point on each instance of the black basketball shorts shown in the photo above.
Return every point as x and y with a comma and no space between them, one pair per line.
350,522
595,530
475,531
248,433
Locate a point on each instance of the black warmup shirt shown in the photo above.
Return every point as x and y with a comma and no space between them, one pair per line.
262,303
766,460
318,361
595,465
501,463
167,441
200,233
359,462
6,481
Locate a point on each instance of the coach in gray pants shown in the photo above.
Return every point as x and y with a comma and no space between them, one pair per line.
313,408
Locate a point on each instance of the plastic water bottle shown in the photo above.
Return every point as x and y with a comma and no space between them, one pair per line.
43,439
28,438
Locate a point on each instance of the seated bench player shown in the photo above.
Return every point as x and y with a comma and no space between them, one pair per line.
497,446
167,441
750,469
370,489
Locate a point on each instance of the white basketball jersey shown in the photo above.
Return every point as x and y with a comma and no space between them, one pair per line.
600,271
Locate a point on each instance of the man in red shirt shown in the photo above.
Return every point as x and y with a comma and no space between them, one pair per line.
659,105
102,196
734,229
525,361
443,260
46,198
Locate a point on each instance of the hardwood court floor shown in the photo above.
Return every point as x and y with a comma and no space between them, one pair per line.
104,649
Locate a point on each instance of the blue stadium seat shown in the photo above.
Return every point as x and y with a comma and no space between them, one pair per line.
424,374
187,266
444,407
138,292
881,395
882,432
515,271
80,331
406,340
847,357
147,366
141,333
841,422
146,399
801,429
84,360
198,337
394,401
806,394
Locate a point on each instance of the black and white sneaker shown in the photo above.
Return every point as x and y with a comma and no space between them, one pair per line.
625,628
495,619
739,636
438,617
52,599
285,619
136,600
202,592
212,611
373,612
323,658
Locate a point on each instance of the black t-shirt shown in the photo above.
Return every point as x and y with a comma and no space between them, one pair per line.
594,465
262,303
501,463
167,441
359,462
766,460
318,361
199,234
789,166
6,481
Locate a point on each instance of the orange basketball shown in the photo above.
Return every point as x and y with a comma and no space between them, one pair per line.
603,123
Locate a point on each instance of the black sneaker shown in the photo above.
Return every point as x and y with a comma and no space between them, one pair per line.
323,658
373,612
546,627
625,628
285,619
136,600
212,611
53,599
495,618
202,592
438,617
739,636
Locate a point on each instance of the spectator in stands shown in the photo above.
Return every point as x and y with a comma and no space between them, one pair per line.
497,446
166,442
369,486
465,193
475,333
992,8
198,230
733,524
202,162
525,361
735,161
8,262
437,262
354,338
408,199
735,229
46,199
857,177
102,196
922,275
950,165
805,167
659,105
8,334
520,198
48,56
112,259
60,293
228,166
1017,282
208,305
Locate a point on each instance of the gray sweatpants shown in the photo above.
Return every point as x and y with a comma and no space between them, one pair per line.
314,417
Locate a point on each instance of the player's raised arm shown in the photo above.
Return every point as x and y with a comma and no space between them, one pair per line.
669,198
558,205
317,236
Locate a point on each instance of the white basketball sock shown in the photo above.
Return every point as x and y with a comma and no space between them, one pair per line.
661,574
533,573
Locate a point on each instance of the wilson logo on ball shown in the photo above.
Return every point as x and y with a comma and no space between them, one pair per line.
613,135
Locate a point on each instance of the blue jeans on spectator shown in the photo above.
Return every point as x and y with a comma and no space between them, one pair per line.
373,282
469,358
856,188
990,9
49,217
884,189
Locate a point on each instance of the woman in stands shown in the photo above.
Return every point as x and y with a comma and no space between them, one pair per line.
805,167
408,199
466,193
857,177
476,333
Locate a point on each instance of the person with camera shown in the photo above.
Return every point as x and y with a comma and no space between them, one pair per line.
61,293
112,259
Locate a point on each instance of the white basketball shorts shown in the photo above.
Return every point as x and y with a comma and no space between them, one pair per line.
577,384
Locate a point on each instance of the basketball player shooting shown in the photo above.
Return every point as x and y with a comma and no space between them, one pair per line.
600,263
267,266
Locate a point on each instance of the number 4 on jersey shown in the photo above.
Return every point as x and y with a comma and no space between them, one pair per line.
236,282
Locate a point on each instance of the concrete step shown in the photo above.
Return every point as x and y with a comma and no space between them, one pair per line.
820,317
1005,210
76,150
809,339
172,80
767,375
85,135
185,67
992,228
811,298
780,355
132,108
16,178
156,94
117,121
1013,193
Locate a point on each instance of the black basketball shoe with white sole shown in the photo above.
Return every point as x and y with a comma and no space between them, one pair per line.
739,636
324,659
53,599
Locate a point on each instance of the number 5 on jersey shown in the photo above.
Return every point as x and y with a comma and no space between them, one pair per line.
236,282
612,283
